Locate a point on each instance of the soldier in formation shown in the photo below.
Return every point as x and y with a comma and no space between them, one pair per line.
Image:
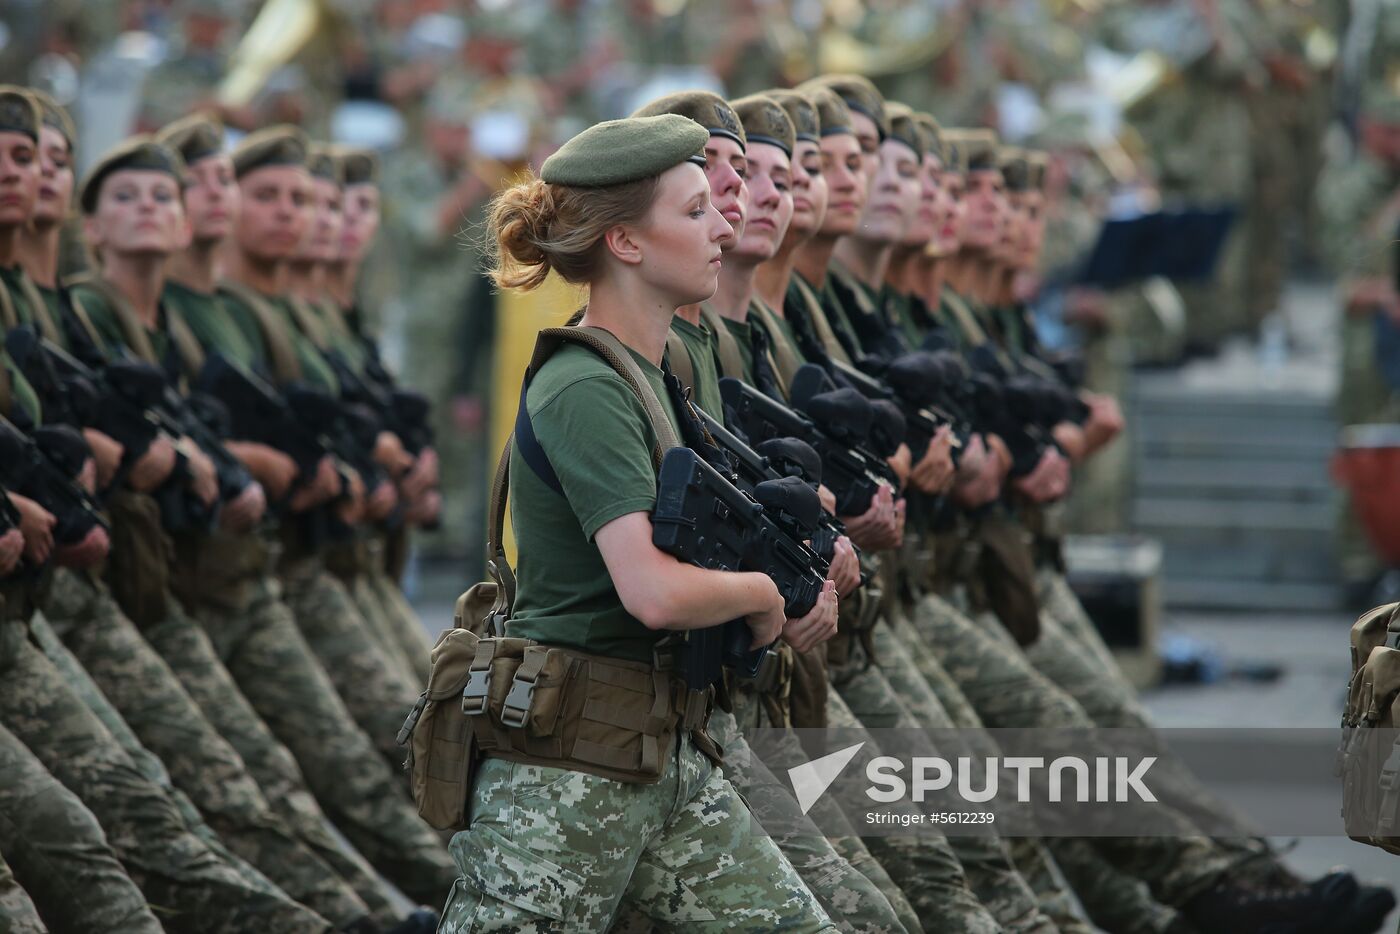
209,475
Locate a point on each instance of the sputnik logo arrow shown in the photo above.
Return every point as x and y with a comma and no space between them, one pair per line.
811,780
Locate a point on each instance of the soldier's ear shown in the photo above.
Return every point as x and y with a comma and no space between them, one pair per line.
622,243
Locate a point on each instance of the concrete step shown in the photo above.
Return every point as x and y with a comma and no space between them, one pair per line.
1199,428
1248,595
1214,477
1259,558
1164,515
1281,406
1166,444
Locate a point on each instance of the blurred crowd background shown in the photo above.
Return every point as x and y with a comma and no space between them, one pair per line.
1252,105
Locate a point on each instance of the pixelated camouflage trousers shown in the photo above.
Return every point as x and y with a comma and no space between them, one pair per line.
556,850
371,683
166,720
1006,691
853,900
890,693
291,695
62,854
188,885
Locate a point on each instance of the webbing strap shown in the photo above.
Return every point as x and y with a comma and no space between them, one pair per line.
310,326
133,331
280,350
9,317
825,333
731,359
47,325
971,328
785,359
678,355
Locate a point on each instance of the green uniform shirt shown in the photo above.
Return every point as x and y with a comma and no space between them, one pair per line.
599,442
700,342
23,398
210,321
52,302
744,337
314,368
109,330
12,279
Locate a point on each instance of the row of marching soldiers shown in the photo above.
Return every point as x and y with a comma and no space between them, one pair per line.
207,480
867,265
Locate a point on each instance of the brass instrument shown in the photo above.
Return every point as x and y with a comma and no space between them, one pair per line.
281,30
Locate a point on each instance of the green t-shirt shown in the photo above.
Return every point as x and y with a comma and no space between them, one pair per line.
700,342
52,301
210,321
314,368
599,442
744,338
12,279
23,399
107,324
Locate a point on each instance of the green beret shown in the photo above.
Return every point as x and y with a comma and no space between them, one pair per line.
19,112
275,145
195,137
142,153
932,135
52,114
977,149
322,163
765,121
358,166
1037,161
903,129
1014,167
620,151
832,111
709,110
806,123
859,94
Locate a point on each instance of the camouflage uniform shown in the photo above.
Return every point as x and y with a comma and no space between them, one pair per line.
192,886
139,683
560,849
61,853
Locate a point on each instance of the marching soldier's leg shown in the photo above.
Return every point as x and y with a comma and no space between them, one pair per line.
281,678
1118,903
550,848
407,628
377,693
923,866
381,626
191,654
17,913
908,697
202,764
852,901
61,853
189,885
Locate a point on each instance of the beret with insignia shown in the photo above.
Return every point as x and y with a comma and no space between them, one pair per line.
19,112
195,137
933,135
322,163
806,123
707,109
765,121
903,129
359,166
274,145
832,111
620,151
141,153
52,114
859,94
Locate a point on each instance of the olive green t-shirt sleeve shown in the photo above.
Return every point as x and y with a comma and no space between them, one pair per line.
595,434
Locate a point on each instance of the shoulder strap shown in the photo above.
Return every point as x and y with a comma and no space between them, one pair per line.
5,399
849,282
282,354
605,345
679,356
9,317
822,326
784,357
966,321
47,325
133,331
186,344
310,326
81,316
731,361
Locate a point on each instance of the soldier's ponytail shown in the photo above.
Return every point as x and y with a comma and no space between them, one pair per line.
537,228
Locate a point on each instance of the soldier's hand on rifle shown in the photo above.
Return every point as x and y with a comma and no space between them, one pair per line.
324,487
107,452
877,529
11,549
425,509
845,567
934,471
204,479
37,524
1105,421
153,467
901,462
381,501
389,453
269,466
352,508
817,626
1070,437
86,553
245,510
826,498
767,625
